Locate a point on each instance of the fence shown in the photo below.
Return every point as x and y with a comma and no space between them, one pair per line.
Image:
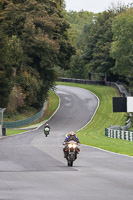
122,90
83,81
119,134
25,121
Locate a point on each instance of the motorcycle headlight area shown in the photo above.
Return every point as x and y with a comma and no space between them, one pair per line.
72,146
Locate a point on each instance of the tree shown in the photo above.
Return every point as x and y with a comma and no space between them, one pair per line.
6,71
31,85
77,37
61,3
38,30
100,37
78,68
77,22
122,45
97,52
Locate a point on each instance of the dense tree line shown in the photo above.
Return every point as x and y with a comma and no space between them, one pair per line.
5,70
122,45
105,45
97,52
78,22
34,41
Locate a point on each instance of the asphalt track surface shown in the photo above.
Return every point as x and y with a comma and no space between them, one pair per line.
32,166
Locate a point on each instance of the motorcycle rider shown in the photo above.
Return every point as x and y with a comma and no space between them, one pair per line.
70,136
46,126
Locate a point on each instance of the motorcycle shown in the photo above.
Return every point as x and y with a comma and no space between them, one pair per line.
71,152
46,131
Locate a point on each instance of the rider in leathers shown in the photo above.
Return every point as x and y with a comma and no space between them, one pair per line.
47,126
69,137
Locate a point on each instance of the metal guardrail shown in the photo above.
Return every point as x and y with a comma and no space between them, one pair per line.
119,134
27,121
82,81
122,90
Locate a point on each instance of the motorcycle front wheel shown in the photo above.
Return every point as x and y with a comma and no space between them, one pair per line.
70,160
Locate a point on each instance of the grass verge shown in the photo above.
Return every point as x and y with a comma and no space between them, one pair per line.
13,132
94,133
52,105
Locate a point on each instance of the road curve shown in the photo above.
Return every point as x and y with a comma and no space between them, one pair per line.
32,166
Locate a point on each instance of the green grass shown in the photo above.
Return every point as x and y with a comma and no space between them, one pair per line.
52,105
14,132
94,133
53,102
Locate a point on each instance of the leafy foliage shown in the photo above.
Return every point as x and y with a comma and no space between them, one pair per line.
30,83
77,22
37,38
77,37
78,68
99,41
5,71
97,52
16,99
122,46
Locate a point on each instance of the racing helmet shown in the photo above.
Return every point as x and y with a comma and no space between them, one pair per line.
72,133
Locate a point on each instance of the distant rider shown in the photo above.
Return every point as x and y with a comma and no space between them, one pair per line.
46,127
70,136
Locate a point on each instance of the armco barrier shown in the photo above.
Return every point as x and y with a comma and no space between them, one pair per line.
25,121
82,81
119,134
122,90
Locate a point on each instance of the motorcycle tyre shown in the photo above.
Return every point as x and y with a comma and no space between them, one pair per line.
46,134
70,161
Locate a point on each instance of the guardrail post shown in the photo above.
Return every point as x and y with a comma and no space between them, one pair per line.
106,132
116,134
128,135
131,136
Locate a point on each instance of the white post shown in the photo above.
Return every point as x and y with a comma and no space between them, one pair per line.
1,120
114,133
122,135
126,135
131,136
118,134
0,130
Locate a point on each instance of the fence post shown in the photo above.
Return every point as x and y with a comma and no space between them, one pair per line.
131,136
106,132
118,136
114,133
125,135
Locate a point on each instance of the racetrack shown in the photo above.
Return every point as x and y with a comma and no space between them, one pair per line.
32,166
